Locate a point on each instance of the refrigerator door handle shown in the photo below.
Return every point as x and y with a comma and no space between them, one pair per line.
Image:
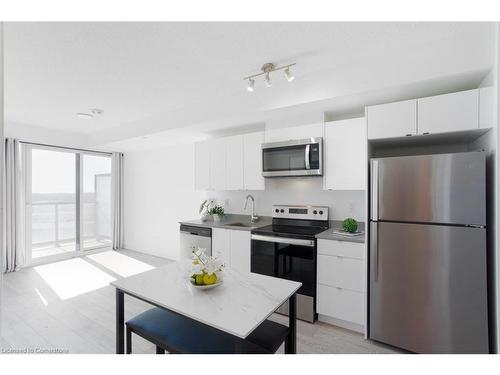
374,196
374,250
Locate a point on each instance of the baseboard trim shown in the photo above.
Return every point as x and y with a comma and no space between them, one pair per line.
341,323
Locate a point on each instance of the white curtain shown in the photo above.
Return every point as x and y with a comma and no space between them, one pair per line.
117,190
12,244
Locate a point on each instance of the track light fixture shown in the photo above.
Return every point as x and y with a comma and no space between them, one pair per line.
267,69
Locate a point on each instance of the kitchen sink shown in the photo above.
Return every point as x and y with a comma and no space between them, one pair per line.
245,225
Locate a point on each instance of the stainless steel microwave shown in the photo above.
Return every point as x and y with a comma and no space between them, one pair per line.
301,157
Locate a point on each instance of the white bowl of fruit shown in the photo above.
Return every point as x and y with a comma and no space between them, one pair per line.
206,272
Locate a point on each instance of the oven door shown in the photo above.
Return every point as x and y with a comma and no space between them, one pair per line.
286,258
292,158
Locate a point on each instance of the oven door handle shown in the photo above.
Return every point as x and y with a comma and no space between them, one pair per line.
290,241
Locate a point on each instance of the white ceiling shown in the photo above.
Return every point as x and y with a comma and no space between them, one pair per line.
150,78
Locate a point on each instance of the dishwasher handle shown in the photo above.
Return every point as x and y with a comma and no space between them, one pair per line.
195,231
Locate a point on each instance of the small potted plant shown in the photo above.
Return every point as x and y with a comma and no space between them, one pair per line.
350,225
218,212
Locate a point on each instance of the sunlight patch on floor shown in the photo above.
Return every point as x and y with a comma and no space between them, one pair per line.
120,264
73,277
42,298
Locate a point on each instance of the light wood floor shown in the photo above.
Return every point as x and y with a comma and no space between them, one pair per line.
34,315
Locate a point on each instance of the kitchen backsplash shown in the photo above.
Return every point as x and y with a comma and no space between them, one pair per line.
295,191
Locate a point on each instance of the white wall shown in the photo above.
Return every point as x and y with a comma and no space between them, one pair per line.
38,134
1,167
159,192
295,191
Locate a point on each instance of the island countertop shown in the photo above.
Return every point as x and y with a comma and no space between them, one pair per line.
239,305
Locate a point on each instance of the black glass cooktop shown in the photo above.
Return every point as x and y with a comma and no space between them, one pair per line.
291,231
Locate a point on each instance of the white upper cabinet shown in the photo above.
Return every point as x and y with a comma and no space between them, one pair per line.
390,120
234,163
487,107
450,112
202,165
218,164
252,161
294,132
230,163
458,111
345,155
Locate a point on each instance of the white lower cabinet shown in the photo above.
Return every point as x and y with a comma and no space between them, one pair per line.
341,283
240,250
343,304
347,273
221,244
232,247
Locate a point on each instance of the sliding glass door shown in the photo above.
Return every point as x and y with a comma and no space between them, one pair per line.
51,209
68,201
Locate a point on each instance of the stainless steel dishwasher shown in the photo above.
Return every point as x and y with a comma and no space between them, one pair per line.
193,237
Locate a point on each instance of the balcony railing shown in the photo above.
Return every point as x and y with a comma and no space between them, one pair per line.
53,223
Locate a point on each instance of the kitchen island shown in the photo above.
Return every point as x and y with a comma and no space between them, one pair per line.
237,307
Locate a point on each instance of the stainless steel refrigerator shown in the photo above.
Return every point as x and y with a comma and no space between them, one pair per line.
428,284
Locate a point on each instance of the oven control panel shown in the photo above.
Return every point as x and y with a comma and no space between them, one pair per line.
300,212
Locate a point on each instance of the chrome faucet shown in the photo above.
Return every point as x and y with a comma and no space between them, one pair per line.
253,218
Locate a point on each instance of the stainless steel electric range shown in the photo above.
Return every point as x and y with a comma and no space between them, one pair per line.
287,249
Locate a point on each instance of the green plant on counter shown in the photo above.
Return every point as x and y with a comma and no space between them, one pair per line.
350,225
217,210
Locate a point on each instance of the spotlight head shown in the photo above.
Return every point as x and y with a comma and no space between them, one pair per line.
251,84
288,74
267,80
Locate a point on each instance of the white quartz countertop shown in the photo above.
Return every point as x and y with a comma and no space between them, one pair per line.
238,306
330,233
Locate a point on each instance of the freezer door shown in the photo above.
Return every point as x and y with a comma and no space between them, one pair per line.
447,189
428,288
